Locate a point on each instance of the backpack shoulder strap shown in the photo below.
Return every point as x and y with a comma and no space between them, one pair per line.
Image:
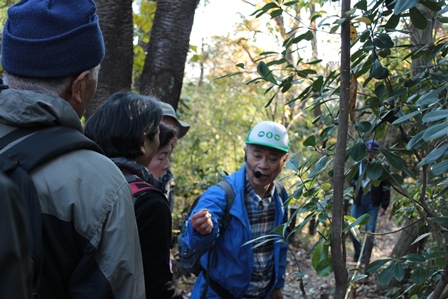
138,186
46,144
230,197
281,190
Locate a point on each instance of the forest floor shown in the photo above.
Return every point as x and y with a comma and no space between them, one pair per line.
315,286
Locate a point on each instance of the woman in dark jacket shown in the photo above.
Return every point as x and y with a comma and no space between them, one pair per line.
126,127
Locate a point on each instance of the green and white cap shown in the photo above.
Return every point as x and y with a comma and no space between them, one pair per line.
270,134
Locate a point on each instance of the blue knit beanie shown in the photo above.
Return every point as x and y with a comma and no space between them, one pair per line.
372,146
51,38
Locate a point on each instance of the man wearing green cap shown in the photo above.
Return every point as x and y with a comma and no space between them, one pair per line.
236,269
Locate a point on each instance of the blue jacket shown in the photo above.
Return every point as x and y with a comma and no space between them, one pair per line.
232,264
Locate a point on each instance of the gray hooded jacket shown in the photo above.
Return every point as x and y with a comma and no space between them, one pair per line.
90,238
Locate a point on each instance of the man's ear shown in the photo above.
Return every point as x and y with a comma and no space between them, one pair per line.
73,95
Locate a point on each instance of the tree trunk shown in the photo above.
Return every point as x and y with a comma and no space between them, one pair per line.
163,71
337,237
423,37
116,22
404,246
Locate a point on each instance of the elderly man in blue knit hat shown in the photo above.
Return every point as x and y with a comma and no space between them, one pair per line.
373,201
51,52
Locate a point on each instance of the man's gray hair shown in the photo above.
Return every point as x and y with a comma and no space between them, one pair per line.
53,86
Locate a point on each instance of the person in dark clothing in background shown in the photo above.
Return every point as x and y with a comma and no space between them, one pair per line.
373,202
126,127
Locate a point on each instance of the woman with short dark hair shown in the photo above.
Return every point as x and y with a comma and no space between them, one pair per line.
126,127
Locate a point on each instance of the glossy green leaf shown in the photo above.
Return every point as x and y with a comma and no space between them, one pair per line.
325,267
383,41
436,51
293,163
363,219
415,258
435,132
265,72
320,166
434,155
276,13
374,170
323,217
393,22
421,237
328,132
358,151
386,275
402,5
393,159
269,6
416,141
398,271
377,70
318,83
298,193
418,19
363,126
310,141
377,264
318,253
406,117
419,275
440,168
321,260
435,115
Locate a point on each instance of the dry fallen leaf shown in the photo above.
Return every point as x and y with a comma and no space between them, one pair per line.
353,33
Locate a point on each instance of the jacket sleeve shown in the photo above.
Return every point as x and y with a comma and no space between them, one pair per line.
283,250
214,201
118,253
154,225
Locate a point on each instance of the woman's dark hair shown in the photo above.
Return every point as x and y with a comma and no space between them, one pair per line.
119,125
167,133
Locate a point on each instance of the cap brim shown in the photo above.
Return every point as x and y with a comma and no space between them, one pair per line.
268,145
183,128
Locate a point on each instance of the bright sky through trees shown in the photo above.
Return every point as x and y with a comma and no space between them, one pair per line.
217,18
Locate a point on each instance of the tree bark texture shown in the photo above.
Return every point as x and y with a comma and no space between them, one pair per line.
163,71
419,38
116,22
404,246
337,238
